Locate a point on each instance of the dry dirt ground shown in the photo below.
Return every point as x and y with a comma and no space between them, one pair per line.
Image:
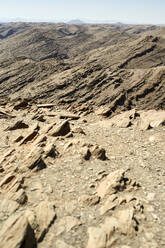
81,181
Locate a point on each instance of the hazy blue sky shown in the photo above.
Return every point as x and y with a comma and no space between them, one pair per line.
128,11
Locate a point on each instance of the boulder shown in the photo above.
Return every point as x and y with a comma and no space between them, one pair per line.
45,216
113,183
61,130
16,232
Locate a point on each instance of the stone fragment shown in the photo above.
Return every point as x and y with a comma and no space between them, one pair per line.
85,152
79,130
17,125
18,196
103,111
124,119
45,216
18,139
21,104
6,155
127,222
31,134
7,179
151,119
61,130
98,153
35,162
110,204
17,233
46,105
40,140
5,114
50,151
70,116
114,182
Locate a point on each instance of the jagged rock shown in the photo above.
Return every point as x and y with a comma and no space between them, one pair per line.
5,114
34,162
16,233
123,120
18,139
127,221
6,155
89,200
21,104
79,130
105,235
39,117
7,179
110,204
12,189
103,111
45,216
7,208
61,130
50,151
85,152
31,134
151,119
17,125
41,139
46,105
69,116
18,196
66,224
98,153
113,183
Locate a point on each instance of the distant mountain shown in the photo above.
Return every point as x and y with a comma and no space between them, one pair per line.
76,21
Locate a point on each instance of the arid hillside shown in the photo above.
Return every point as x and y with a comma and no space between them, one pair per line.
119,66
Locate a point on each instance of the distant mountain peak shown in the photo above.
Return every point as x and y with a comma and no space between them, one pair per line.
76,21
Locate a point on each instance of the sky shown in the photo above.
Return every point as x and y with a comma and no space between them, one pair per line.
126,11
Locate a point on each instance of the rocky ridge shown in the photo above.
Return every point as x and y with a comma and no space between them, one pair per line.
72,181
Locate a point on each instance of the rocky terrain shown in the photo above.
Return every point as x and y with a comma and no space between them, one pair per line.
82,114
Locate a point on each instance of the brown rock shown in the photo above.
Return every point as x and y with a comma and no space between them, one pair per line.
98,153
45,216
21,104
85,152
7,179
50,151
18,196
111,184
124,119
16,233
110,204
31,134
61,130
103,111
17,125
69,116
35,162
